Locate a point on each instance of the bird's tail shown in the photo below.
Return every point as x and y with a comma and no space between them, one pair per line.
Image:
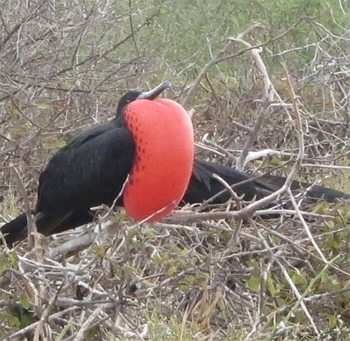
47,224
15,230
313,192
204,185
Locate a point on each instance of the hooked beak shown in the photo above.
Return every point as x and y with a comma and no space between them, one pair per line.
155,92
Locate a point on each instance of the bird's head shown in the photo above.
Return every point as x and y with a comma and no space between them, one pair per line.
134,95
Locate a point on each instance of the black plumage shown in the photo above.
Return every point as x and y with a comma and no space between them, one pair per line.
91,170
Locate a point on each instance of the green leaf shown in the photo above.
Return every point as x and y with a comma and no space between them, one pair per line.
24,300
275,161
271,286
43,106
253,283
13,258
298,277
332,321
3,264
11,319
65,330
321,207
171,271
100,250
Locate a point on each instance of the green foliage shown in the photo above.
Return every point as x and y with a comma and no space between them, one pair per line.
173,329
198,28
173,258
18,317
253,283
100,250
299,279
24,301
273,286
91,334
321,207
65,330
7,260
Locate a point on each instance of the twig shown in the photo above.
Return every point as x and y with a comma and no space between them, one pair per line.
234,240
291,284
307,230
302,298
73,246
217,59
39,330
22,332
19,25
87,324
318,165
267,98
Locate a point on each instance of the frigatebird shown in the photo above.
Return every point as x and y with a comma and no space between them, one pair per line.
143,160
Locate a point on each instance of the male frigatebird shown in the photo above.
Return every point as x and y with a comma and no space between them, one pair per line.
142,159
156,153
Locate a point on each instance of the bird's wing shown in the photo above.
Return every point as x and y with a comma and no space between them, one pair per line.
89,171
90,133
203,185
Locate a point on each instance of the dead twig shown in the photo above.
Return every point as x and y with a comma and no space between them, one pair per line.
217,59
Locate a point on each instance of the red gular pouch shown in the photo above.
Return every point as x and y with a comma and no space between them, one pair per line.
163,134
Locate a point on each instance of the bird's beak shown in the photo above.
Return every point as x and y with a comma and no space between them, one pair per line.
155,92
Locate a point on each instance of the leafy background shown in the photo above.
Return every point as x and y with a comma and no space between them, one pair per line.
63,66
